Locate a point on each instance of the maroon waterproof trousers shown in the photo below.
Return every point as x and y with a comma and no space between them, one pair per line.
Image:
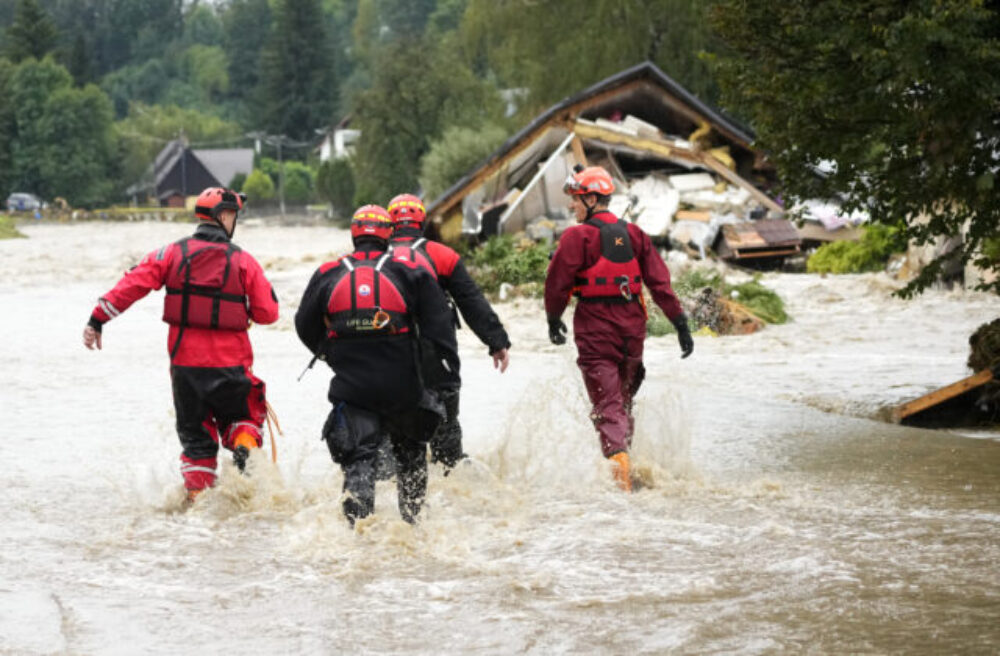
609,341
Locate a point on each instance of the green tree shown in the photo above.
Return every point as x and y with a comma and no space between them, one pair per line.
30,86
335,184
596,39
32,34
60,137
258,187
8,129
898,99
206,70
246,24
79,146
299,183
202,26
455,153
404,112
297,86
78,61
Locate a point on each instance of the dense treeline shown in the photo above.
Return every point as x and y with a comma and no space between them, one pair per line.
93,89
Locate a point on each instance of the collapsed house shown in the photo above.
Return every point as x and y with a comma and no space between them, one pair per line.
685,173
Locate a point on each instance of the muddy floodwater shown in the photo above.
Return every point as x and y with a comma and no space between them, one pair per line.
775,513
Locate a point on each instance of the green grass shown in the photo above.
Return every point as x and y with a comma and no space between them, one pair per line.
7,228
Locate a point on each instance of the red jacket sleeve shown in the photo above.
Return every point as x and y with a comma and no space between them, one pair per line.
561,277
445,258
141,279
655,273
260,295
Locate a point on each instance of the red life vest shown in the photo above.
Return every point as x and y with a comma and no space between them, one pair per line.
615,277
416,253
365,302
205,290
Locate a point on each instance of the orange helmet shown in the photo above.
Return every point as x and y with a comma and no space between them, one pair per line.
591,180
215,199
371,221
407,208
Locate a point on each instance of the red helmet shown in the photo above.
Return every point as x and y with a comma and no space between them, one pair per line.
591,180
371,221
407,208
215,199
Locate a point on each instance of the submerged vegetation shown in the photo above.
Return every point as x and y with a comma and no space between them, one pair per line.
870,253
503,259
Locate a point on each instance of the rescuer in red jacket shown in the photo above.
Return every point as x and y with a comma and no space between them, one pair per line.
214,289
604,262
408,214
383,325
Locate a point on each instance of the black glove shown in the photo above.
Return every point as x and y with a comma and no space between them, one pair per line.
557,331
683,335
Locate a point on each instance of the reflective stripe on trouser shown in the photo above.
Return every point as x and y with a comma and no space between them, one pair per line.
198,474
612,381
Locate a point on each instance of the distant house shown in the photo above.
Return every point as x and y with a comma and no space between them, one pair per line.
338,141
179,171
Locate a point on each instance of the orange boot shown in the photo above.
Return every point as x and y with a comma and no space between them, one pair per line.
622,470
243,443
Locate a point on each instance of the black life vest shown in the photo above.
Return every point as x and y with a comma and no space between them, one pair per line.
204,290
366,302
414,252
615,277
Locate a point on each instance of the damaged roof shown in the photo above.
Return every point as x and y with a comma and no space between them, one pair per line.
642,91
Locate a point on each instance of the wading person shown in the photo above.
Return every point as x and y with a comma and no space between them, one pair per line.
446,266
214,289
604,262
384,327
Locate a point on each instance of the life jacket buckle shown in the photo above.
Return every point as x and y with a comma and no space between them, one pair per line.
623,288
381,319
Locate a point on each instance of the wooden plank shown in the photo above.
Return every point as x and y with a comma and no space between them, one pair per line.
577,146
941,395
714,164
746,255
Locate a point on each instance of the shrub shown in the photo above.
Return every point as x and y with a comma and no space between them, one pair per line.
455,153
502,259
258,186
335,184
870,253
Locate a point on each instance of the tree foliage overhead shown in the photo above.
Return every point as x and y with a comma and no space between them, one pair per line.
418,90
298,89
559,47
901,98
32,34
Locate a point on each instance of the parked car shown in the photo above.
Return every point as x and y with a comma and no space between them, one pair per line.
21,202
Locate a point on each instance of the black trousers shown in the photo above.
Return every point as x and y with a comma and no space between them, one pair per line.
353,435
210,401
446,443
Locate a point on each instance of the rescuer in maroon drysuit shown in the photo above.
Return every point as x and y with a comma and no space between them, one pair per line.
214,289
604,262
408,214
383,326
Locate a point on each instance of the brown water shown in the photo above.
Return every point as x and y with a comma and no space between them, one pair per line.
766,525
